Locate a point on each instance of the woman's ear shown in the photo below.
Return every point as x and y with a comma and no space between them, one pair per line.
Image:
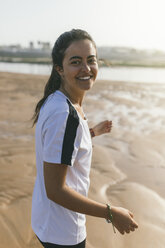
59,69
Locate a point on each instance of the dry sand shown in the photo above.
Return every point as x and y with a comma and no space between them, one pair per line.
128,167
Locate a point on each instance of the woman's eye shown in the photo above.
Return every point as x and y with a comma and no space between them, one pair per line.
92,61
75,62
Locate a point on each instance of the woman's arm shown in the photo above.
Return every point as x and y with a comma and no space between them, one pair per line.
60,193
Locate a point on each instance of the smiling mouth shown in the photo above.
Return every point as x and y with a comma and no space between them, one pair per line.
84,78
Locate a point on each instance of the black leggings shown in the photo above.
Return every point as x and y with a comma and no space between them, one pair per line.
50,245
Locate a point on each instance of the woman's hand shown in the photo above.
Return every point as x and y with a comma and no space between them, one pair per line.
123,220
102,127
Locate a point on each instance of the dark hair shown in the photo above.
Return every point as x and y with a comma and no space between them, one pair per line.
58,52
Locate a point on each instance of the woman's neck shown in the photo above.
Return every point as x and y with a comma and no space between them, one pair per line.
73,96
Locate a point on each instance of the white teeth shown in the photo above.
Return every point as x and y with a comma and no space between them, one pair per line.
84,78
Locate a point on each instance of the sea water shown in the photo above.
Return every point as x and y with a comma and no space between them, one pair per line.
127,74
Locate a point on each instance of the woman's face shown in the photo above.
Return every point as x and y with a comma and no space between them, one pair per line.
79,66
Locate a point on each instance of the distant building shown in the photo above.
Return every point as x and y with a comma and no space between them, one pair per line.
44,45
31,45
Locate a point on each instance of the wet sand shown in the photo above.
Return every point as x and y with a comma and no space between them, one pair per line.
128,167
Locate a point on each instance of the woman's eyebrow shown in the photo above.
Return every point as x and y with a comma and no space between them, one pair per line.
92,56
78,57
75,57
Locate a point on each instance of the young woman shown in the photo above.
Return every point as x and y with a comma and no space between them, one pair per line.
64,149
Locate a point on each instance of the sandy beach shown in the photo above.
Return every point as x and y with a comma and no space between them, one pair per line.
128,166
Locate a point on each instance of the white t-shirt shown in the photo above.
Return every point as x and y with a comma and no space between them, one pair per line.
63,137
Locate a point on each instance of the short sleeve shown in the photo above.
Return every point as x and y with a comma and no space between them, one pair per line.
60,138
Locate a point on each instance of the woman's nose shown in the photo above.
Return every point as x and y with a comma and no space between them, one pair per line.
86,67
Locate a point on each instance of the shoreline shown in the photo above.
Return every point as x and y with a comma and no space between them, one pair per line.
48,62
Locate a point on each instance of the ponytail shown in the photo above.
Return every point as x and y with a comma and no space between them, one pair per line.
52,85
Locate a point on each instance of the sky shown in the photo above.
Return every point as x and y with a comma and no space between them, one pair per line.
131,23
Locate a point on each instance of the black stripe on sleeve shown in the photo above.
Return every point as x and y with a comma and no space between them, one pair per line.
70,135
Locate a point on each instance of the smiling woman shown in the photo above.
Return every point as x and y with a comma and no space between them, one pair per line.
79,70
64,149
